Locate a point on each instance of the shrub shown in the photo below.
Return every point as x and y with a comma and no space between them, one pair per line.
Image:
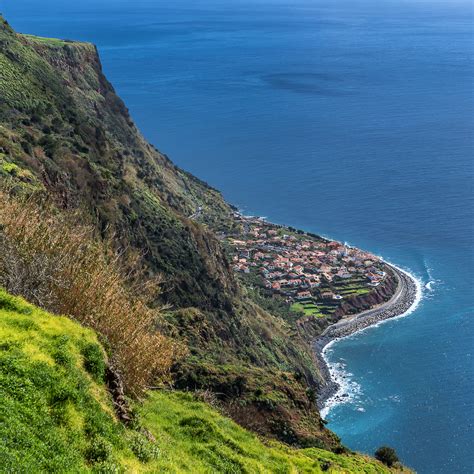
56,262
386,455
99,450
142,447
94,361
62,357
107,467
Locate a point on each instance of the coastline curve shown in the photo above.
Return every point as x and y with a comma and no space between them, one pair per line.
403,302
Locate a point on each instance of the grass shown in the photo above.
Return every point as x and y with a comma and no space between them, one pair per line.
56,414
48,41
354,291
355,286
194,438
309,309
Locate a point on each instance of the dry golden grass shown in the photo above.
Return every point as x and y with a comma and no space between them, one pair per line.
55,262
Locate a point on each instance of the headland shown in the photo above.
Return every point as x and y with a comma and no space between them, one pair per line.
336,289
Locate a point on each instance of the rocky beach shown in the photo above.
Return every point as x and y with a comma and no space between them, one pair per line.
405,297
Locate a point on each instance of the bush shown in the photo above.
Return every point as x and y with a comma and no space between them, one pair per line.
143,448
107,467
56,262
386,455
94,361
99,450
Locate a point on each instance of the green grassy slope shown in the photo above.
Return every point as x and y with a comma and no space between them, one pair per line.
56,414
195,438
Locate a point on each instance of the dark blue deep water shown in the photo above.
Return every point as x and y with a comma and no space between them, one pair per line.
351,118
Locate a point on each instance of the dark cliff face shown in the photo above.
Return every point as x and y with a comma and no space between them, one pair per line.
64,132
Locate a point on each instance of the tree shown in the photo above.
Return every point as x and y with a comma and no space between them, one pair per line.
386,455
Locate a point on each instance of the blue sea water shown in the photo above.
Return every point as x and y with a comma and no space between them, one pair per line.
350,118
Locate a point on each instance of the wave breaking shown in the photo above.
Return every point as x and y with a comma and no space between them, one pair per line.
338,387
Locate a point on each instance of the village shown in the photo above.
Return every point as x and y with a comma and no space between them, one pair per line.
310,273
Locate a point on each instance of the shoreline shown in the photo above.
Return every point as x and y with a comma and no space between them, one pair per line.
404,301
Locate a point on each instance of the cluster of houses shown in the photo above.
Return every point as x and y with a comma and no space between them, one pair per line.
299,266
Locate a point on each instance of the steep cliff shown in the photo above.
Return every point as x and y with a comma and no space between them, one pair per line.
64,132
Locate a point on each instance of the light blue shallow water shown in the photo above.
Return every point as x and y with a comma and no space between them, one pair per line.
351,118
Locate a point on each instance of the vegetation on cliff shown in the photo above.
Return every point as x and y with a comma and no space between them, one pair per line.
65,133
54,261
194,438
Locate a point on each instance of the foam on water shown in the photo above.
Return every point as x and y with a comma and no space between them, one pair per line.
349,391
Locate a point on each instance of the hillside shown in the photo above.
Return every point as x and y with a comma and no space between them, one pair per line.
65,134
56,414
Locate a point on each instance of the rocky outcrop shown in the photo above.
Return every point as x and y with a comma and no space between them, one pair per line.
114,382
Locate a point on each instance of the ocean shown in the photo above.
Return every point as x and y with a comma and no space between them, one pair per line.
351,118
